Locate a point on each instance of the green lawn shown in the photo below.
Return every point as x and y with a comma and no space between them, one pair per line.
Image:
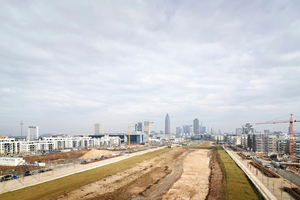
236,183
57,187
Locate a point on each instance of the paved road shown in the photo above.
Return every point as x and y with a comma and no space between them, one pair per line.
295,179
177,170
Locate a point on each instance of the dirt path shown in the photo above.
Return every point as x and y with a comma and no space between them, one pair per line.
194,181
177,169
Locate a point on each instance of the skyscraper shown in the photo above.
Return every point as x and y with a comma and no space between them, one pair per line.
139,126
33,133
178,131
145,127
167,125
98,129
203,129
196,126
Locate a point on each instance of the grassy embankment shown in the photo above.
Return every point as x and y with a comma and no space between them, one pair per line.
237,185
60,186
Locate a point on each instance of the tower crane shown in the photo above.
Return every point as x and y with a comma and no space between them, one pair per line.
149,133
129,135
291,121
128,132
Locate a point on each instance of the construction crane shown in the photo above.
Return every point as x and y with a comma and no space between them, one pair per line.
149,133
129,135
128,132
291,121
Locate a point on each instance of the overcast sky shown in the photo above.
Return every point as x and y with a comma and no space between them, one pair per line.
65,65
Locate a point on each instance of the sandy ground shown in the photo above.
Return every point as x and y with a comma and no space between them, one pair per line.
118,180
95,153
194,181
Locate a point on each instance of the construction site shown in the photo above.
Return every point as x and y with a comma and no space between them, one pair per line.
166,173
195,171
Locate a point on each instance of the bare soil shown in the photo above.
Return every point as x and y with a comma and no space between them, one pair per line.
194,181
72,155
95,153
127,183
182,174
216,177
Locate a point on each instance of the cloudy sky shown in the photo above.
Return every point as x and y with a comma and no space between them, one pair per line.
65,65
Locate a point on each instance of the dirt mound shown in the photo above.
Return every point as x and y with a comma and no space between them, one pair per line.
95,153
72,155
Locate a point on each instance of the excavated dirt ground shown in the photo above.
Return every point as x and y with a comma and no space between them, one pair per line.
194,181
115,185
201,178
96,153
70,156
216,178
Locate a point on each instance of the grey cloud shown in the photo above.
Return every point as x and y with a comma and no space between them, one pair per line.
103,61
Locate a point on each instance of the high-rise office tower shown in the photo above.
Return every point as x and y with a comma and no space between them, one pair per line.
238,131
167,125
98,129
178,131
139,126
33,133
145,127
196,126
187,128
203,130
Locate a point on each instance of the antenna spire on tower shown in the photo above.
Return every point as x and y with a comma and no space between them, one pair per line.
21,128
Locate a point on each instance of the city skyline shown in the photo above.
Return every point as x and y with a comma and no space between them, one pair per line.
139,127
226,63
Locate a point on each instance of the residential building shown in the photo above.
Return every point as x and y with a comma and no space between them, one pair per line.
248,128
263,143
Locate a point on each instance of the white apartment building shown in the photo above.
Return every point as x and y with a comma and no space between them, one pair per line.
11,146
217,137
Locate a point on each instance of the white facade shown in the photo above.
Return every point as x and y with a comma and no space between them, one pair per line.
98,129
33,133
217,137
10,146
11,161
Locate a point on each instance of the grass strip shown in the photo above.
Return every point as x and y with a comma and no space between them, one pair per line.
52,189
238,186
